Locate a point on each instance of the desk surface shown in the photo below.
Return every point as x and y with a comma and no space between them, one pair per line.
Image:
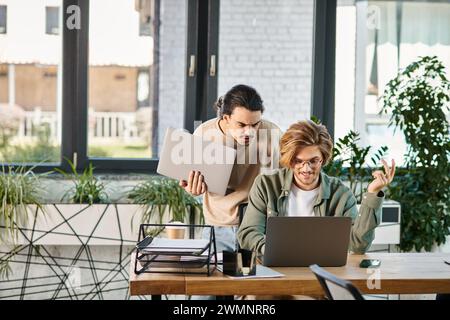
399,273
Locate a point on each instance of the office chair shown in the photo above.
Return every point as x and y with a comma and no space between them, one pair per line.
335,288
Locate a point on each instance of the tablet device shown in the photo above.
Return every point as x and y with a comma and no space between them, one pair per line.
183,152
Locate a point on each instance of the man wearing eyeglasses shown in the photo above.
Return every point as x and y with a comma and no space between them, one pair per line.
301,189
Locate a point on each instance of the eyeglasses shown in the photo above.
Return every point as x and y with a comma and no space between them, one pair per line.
313,163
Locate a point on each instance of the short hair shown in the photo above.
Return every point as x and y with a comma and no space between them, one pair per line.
304,134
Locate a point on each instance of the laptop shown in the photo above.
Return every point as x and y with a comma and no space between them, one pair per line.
183,152
303,241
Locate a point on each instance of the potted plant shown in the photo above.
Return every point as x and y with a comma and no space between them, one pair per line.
86,208
19,199
46,246
417,100
87,187
349,163
84,214
163,200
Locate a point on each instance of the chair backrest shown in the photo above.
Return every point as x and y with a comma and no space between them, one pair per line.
335,288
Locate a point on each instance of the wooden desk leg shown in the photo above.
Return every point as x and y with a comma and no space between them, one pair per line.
155,297
224,297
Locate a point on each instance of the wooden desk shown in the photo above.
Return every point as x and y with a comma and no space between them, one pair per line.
399,273
155,283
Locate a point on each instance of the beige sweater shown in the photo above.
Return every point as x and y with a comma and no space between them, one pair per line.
223,210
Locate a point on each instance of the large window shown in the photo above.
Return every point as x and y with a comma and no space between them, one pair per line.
373,40
103,81
122,96
30,86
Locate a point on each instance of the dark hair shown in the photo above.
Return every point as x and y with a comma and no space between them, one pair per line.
240,95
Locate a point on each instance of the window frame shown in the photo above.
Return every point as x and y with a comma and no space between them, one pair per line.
200,88
324,60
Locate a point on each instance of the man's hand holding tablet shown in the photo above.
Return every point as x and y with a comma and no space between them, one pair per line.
195,184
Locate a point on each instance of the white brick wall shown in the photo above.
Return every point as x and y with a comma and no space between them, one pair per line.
172,65
268,44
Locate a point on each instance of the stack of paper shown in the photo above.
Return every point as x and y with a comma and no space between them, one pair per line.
176,246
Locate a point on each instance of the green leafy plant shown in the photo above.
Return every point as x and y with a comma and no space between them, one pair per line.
349,162
87,187
160,194
19,187
417,100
